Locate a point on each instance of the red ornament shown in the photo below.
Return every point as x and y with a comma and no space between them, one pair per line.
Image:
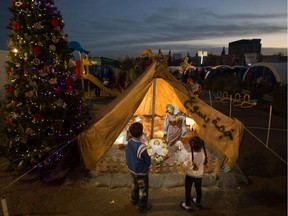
36,50
8,121
16,26
54,22
68,82
9,88
68,86
57,90
37,117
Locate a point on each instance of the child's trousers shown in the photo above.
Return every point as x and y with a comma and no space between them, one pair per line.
140,187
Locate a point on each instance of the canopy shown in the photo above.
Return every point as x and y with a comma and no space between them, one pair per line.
104,61
275,72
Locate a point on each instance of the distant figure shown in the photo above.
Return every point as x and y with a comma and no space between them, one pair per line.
120,81
194,87
97,90
187,74
106,82
94,70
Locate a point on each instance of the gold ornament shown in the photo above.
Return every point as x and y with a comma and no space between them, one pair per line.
52,47
37,26
55,39
27,37
29,94
36,61
18,3
46,69
16,93
53,81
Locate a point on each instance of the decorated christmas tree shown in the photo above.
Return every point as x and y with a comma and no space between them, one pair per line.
44,110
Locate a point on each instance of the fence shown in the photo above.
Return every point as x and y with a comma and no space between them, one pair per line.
224,98
119,166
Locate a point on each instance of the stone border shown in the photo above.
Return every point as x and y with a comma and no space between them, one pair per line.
169,180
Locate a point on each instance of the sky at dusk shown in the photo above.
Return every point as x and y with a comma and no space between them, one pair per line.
116,28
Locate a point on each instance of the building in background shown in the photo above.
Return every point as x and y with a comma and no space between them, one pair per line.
241,48
176,59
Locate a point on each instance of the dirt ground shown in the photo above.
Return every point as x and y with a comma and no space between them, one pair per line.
265,194
262,196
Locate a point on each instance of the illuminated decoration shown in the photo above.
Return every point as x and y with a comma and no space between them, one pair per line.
185,65
202,54
44,109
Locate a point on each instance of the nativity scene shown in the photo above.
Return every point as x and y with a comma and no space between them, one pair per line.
169,113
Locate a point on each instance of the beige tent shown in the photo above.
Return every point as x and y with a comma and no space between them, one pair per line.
149,94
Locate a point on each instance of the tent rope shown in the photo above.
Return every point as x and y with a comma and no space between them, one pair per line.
278,156
33,168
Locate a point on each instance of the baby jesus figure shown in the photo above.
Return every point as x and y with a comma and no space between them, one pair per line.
157,149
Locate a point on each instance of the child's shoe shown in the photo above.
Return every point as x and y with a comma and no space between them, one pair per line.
134,202
185,207
195,202
146,208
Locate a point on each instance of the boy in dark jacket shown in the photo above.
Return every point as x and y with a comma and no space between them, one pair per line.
138,162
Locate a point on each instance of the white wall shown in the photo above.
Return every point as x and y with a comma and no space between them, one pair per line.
3,75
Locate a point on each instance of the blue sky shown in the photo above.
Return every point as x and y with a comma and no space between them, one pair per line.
115,28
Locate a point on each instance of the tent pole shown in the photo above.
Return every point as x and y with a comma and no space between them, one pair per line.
210,98
230,101
269,125
153,108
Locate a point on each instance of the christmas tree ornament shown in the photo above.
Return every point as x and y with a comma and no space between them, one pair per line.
36,61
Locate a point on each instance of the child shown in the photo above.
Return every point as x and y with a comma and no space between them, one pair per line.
138,162
194,171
